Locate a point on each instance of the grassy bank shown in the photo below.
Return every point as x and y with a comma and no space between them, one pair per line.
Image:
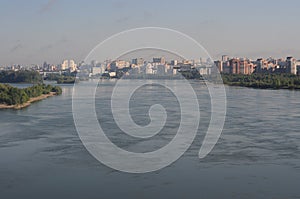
17,98
263,81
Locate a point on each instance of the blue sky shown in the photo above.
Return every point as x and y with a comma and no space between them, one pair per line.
34,31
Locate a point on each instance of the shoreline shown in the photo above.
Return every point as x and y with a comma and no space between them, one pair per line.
28,103
263,88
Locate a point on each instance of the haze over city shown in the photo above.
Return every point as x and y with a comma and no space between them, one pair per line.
149,99
53,30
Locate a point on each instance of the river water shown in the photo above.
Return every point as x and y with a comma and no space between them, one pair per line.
257,155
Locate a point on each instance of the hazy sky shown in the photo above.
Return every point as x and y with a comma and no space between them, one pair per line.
34,31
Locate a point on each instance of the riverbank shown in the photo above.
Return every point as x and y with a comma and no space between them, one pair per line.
18,98
262,86
28,103
263,81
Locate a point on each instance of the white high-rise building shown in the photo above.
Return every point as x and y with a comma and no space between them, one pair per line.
69,65
291,65
149,68
72,66
65,65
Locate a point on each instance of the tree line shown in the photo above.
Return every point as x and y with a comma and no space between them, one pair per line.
256,80
66,78
24,76
14,96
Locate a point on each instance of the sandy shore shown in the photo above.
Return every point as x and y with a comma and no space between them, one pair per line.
31,100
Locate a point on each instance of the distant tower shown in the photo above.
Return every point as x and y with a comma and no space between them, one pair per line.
159,60
259,65
291,65
65,65
72,65
174,62
69,65
219,65
138,61
225,58
235,65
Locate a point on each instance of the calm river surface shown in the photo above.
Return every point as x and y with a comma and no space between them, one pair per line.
257,155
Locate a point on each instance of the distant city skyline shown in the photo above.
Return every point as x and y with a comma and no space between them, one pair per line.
159,65
35,31
75,62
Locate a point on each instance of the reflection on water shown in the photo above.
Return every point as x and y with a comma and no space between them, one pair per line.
257,155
